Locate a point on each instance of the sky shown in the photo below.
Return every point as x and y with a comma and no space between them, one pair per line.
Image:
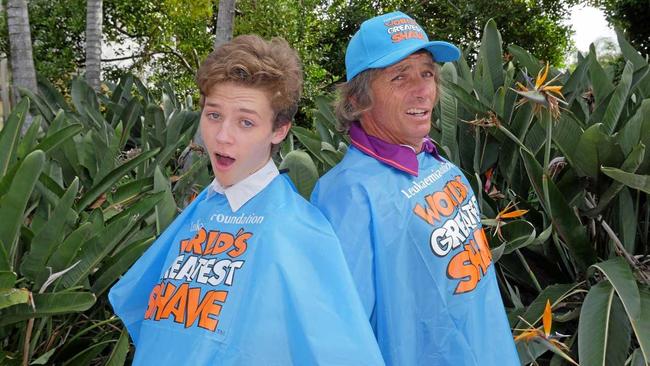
589,25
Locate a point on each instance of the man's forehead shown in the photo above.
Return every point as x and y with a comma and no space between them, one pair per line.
422,56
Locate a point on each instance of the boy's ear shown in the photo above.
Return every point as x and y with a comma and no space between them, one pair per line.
280,133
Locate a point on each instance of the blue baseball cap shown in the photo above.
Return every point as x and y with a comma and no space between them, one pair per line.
387,39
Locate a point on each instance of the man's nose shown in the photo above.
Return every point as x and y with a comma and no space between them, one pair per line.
423,88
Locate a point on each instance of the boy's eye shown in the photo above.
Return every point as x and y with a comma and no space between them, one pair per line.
247,123
214,115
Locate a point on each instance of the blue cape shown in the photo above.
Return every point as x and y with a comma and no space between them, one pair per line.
420,260
265,285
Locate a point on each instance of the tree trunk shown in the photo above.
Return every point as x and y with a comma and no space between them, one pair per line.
93,42
225,19
20,42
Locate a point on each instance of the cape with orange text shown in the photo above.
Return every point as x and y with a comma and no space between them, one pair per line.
265,285
422,265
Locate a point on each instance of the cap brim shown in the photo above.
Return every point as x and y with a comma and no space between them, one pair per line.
441,51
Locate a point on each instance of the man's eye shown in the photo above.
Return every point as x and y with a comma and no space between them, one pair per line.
428,74
247,123
214,115
398,77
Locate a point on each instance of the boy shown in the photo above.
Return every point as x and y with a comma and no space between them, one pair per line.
249,273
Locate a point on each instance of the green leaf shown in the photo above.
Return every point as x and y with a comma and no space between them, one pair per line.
585,157
14,202
564,220
620,275
641,325
10,134
603,334
47,239
121,349
474,105
119,265
518,234
565,134
28,141
112,177
491,54
636,181
525,59
601,84
97,248
628,51
637,358
618,100
553,293
627,219
449,112
310,140
66,252
7,279
166,208
44,358
574,86
630,165
13,296
59,137
48,304
302,171
129,116
42,107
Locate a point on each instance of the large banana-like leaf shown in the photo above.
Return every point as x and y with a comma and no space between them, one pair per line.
626,215
28,141
13,296
14,202
491,54
10,134
618,100
166,209
48,304
586,154
302,171
509,155
310,140
601,84
527,61
59,137
636,181
38,105
630,165
112,177
603,330
119,264
564,220
121,349
66,252
553,293
449,113
628,51
47,239
641,325
95,250
565,134
129,116
573,87
620,276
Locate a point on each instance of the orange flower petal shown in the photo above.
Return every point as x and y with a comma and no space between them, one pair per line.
513,214
541,77
547,319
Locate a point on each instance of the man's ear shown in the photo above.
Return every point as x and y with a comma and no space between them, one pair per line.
280,133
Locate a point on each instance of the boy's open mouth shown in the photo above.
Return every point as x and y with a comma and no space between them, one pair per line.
224,160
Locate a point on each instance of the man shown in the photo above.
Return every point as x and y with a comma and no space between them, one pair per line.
407,218
250,273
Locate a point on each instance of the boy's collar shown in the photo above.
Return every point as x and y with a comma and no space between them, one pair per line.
241,192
